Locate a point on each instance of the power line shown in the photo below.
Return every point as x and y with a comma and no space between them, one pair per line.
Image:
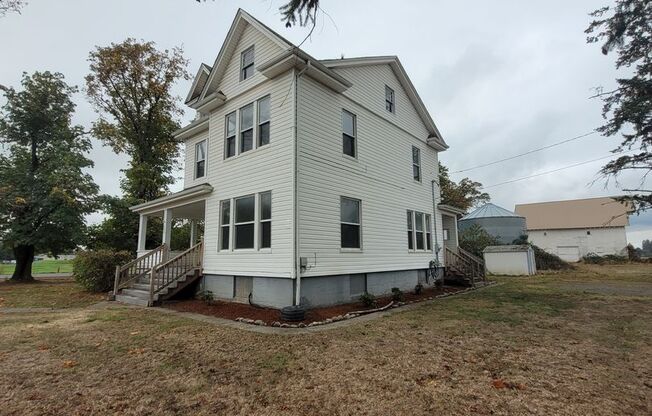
527,153
548,172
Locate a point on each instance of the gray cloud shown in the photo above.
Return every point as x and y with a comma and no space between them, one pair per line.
499,78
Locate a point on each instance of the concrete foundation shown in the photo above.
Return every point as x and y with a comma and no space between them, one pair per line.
315,291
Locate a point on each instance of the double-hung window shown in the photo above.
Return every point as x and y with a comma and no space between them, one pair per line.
263,121
428,233
245,210
225,225
416,163
247,64
246,128
410,229
350,223
419,227
200,159
348,133
229,141
390,104
265,201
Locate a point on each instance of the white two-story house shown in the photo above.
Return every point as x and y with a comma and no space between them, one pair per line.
315,179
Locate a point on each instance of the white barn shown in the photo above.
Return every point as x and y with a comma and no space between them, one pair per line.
315,179
572,229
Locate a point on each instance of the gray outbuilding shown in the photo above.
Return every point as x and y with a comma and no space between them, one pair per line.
498,222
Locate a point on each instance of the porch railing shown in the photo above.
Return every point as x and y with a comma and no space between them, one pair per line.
135,269
163,275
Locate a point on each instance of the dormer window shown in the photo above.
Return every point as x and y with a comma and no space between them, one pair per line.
247,64
200,159
389,100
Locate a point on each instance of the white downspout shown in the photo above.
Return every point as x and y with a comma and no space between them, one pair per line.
297,262
434,210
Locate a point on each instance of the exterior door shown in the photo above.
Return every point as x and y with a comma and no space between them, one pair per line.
569,253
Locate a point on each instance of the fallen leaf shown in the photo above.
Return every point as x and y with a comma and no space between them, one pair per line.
69,363
43,347
135,333
136,351
498,383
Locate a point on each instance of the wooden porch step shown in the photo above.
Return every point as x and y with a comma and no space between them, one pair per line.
132,300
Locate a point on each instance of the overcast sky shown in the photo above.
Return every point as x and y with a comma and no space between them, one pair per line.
499,78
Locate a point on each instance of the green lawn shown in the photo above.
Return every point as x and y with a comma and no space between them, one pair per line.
42,266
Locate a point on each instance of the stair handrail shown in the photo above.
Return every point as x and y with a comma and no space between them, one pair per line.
138,267
174,268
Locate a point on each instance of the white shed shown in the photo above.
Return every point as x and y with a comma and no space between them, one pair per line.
513,260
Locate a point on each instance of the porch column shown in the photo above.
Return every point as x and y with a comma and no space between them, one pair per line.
142,232
193,232
167,227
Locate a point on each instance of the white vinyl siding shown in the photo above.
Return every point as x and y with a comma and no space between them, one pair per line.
368,91
326,174
268,168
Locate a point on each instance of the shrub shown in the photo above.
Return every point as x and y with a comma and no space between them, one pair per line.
418,289
475,239
95,270
368,300
397,294
548,261
592,258
206,296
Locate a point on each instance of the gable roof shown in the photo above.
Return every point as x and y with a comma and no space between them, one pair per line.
198,84
578,213
403,78
489,211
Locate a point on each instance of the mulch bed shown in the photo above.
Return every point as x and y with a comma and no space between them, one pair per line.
233,310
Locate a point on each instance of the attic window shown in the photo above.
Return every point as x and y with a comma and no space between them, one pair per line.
247,64
390,104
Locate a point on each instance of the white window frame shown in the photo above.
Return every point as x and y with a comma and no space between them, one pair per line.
260,121
392,101
228,225
236,224
244,67
426,232
416,164
355,134
410,229
234,135
262,220
359,224
205,159
252,128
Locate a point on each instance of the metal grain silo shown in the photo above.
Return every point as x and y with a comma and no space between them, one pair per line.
497,221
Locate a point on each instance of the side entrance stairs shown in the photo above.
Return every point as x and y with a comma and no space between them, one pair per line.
464,267
152,278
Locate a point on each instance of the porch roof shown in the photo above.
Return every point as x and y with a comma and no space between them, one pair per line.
450,210
178,199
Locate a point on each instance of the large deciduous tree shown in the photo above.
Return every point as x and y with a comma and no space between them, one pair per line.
463,195
130,86
8,6
627,30
44,192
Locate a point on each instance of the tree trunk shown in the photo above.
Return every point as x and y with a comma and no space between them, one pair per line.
24,258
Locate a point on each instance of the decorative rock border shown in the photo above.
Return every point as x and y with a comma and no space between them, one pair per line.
351,315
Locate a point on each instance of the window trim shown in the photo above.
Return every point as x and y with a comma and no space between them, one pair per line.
252,128
427,232
260,122
392,102
410,229
205,159
234,113
235,223
417,165
446,234
355,134
359,225
229,225
242,65
262,220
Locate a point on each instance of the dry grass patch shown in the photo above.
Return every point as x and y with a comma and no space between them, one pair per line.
570,352
63,293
